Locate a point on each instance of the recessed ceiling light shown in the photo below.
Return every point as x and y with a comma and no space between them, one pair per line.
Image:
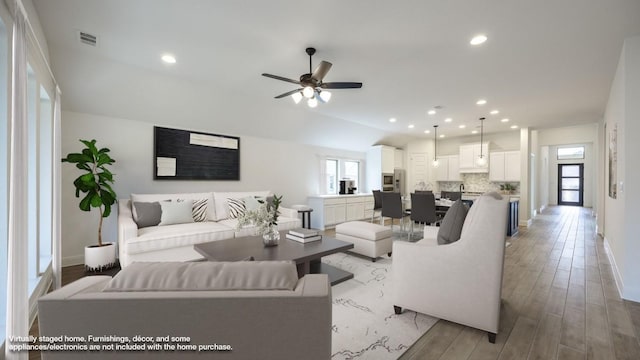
431,112
494,112
392,120
442,135
478,39
448,120
514,126
505,120
411,126
169,59
481,102
474,132
427,132
462,126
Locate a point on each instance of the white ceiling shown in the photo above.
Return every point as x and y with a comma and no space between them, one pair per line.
546,63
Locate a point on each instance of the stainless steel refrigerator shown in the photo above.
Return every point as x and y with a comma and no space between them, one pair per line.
398,181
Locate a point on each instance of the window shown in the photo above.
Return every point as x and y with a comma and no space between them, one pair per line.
40,185
570,153
352,171
4,174
338,169
331,176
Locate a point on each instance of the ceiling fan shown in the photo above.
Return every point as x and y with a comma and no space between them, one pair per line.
312,86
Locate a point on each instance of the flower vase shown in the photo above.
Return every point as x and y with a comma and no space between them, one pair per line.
271,237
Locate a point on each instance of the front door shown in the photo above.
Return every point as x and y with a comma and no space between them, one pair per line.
570,184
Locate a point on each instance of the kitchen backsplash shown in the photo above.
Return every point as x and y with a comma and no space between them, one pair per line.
475,183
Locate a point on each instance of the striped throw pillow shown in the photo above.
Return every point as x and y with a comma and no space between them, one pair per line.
199,210
236,208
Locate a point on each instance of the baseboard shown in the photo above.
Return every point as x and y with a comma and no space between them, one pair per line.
614,267
525,223
73,260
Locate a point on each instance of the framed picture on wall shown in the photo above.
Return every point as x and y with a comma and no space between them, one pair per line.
191,155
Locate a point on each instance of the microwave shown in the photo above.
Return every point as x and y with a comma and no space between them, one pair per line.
387,179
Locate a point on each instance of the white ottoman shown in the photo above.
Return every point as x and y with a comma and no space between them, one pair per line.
368,239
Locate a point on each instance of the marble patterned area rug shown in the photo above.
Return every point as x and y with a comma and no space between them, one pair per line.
364,323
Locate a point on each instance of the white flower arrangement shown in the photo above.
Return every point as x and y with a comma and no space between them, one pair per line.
264,217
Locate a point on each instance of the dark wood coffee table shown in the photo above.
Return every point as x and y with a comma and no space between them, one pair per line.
307,256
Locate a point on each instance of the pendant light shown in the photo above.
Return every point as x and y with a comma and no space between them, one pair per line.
482,159
436,163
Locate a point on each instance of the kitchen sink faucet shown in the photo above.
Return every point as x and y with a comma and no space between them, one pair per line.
461,187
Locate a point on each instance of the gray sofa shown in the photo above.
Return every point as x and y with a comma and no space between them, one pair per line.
261,310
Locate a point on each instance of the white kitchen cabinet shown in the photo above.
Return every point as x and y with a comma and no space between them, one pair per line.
512,166
448,168
388,159
330,210
469,154
380,160
398,159
504,166
334,214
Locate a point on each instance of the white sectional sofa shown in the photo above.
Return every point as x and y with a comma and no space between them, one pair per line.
175,242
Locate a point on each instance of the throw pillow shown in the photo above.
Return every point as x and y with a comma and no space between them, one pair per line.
149,213
179,212
451,225
251,203
236,208
199,211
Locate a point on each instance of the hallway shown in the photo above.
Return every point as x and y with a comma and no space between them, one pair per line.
559,297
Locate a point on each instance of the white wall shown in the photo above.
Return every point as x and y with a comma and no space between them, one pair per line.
283,167
503,141
543,178
621,225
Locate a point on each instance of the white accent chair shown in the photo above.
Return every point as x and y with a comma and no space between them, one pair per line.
462,281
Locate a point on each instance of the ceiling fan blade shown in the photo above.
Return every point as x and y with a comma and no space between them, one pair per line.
287,93
321,71
341,85
282,78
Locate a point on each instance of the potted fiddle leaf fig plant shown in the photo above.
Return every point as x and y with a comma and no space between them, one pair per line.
95,183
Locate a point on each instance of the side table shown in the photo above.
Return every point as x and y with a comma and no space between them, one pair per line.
306,214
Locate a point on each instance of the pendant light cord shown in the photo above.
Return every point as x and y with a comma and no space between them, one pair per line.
435,142
481,134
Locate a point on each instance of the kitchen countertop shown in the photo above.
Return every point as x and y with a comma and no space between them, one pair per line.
334,196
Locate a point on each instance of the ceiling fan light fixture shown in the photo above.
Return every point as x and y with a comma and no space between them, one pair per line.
296,96
308,92
325,96
313,102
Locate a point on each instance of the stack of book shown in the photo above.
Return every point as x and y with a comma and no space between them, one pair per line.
304,235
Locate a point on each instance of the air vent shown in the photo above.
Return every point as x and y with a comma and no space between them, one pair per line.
87,38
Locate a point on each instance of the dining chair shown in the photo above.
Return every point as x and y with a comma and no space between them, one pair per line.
424,191
377,204
423,210
392,208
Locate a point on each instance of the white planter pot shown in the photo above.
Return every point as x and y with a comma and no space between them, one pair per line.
98,258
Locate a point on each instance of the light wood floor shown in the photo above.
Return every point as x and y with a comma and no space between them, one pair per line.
559,300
